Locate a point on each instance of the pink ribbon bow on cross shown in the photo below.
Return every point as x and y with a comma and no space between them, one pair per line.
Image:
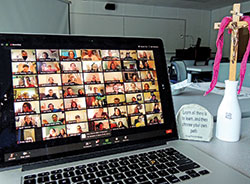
219,43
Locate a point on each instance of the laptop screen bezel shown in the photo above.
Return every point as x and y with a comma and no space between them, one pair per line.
78,42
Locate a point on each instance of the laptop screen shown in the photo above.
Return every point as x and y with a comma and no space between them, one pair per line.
66,95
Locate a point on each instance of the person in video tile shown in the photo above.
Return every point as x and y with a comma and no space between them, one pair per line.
80,93
62,133
115,89
116,101
51,95
48,67
72,79
94,67
138,121
156,108
79,129
24,55
153,98
146,87
117,112
121,125
28,121
110,55
133,87
100,114
69,92
55,119
28,82
24,67
93,78
27,107
52,133
47,55
91,55
51,107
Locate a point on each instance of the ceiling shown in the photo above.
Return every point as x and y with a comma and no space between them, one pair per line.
194,4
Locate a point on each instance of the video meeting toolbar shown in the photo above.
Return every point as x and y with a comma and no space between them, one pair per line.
64,93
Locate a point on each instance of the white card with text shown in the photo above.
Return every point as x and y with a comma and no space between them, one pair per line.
194,122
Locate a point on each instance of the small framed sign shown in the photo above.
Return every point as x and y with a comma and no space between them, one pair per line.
194,122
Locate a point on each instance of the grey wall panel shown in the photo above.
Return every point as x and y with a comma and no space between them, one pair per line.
167,29
96,25
33,16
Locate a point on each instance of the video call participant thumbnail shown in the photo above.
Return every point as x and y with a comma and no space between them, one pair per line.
73,91
54,132
50,93
151,97
113,77
97,114
26,108
27,121
131,76
133,87
92,66
71,67
50,119
116,100
72,79
153,119
94,90
128,55
48,67
90,55
52,106
117,112
114,88
150,86
136,110
130,65
23,68
96,101
25,136
137,121
148,75
99,125
70,55
152,108
76,116
23,55
111,66
145,55
47,55
119,123
49,80
77,128
75,103
147,65
93,78
135,98
110,55
24,81
25,94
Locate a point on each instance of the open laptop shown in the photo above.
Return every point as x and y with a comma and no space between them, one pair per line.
78,109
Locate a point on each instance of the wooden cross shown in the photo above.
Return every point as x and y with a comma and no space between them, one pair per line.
235,25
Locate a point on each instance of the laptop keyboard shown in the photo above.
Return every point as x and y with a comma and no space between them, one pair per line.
162,166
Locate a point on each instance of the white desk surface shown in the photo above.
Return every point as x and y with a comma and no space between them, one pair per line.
236,155
211,101
198,68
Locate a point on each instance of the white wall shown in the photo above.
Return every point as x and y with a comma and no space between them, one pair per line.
33,16
90,18
216,16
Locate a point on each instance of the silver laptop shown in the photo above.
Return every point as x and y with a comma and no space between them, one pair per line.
78,109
